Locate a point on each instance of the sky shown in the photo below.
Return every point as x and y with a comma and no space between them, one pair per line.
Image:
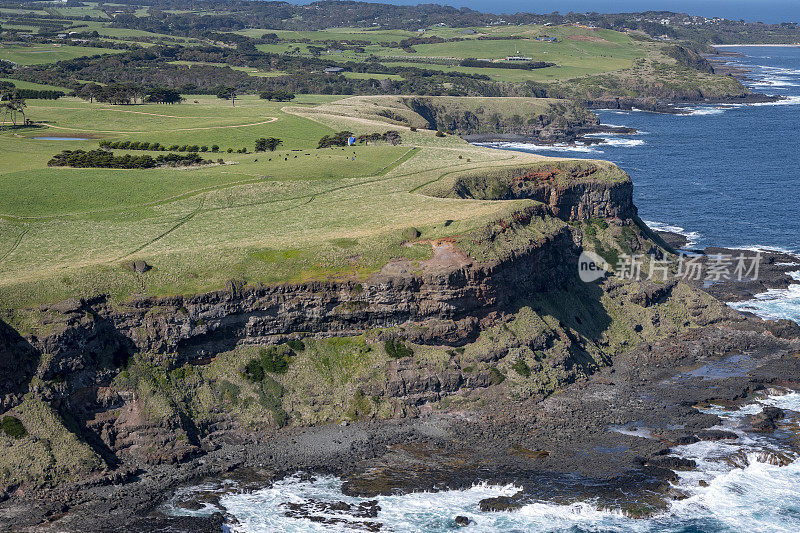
769,11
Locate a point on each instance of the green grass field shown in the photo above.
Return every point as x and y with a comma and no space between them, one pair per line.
38,54
306,214
577,52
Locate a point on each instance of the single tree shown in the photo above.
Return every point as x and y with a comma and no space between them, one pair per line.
270,143
227,93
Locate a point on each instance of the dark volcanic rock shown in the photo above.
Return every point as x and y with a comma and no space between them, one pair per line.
500,503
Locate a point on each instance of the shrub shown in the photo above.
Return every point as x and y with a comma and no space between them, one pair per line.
439,133
230,150
497,377
204,148
13,427
270,360
521,368
409,234
215,148
296,345
254,371
274,360
413,128
396,349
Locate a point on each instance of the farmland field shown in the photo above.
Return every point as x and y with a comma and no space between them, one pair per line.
48,53
293,214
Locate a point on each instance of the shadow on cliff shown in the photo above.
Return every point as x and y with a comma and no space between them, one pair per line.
18,361
580,313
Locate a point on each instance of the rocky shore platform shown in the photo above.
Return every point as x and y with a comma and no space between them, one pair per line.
568,447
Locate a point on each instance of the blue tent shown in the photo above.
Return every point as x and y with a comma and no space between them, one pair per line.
351,141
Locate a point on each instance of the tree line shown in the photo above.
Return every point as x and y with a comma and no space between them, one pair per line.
342,138
157,147
104,159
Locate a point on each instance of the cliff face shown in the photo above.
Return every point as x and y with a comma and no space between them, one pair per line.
446,298
570,192
581,201
148,380
556,122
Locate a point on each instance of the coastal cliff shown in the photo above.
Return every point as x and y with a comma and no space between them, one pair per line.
107,392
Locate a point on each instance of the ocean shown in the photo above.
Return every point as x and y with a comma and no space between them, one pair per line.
723,175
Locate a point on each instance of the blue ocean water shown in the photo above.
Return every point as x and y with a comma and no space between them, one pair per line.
723,175
728,174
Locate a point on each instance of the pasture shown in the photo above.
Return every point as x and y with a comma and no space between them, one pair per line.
306,214
38,54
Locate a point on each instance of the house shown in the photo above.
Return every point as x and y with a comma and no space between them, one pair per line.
518,58
333,70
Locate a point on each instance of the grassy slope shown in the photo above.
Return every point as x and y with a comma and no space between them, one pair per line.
69,232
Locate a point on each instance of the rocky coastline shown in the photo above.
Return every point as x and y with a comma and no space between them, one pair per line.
555,447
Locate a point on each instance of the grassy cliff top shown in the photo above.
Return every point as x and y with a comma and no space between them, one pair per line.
295,214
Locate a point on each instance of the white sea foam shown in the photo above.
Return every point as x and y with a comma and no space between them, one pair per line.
625,143
789,100
775,304
743,491
701,111
692,236
763,248
531,147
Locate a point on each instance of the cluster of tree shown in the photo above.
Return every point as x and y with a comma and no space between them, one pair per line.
392,137
33,94
277,95
117,93
269,143
100,159
342,138
163,95
126,73
156,147
182,160
105,159
8,91
520,65
126,93
337,139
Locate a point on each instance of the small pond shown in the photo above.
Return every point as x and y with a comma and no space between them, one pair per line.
62,139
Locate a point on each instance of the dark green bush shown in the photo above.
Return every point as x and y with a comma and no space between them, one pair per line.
497,376
274,360
396,349
254,371
13,427
269,360
521,368
296,345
